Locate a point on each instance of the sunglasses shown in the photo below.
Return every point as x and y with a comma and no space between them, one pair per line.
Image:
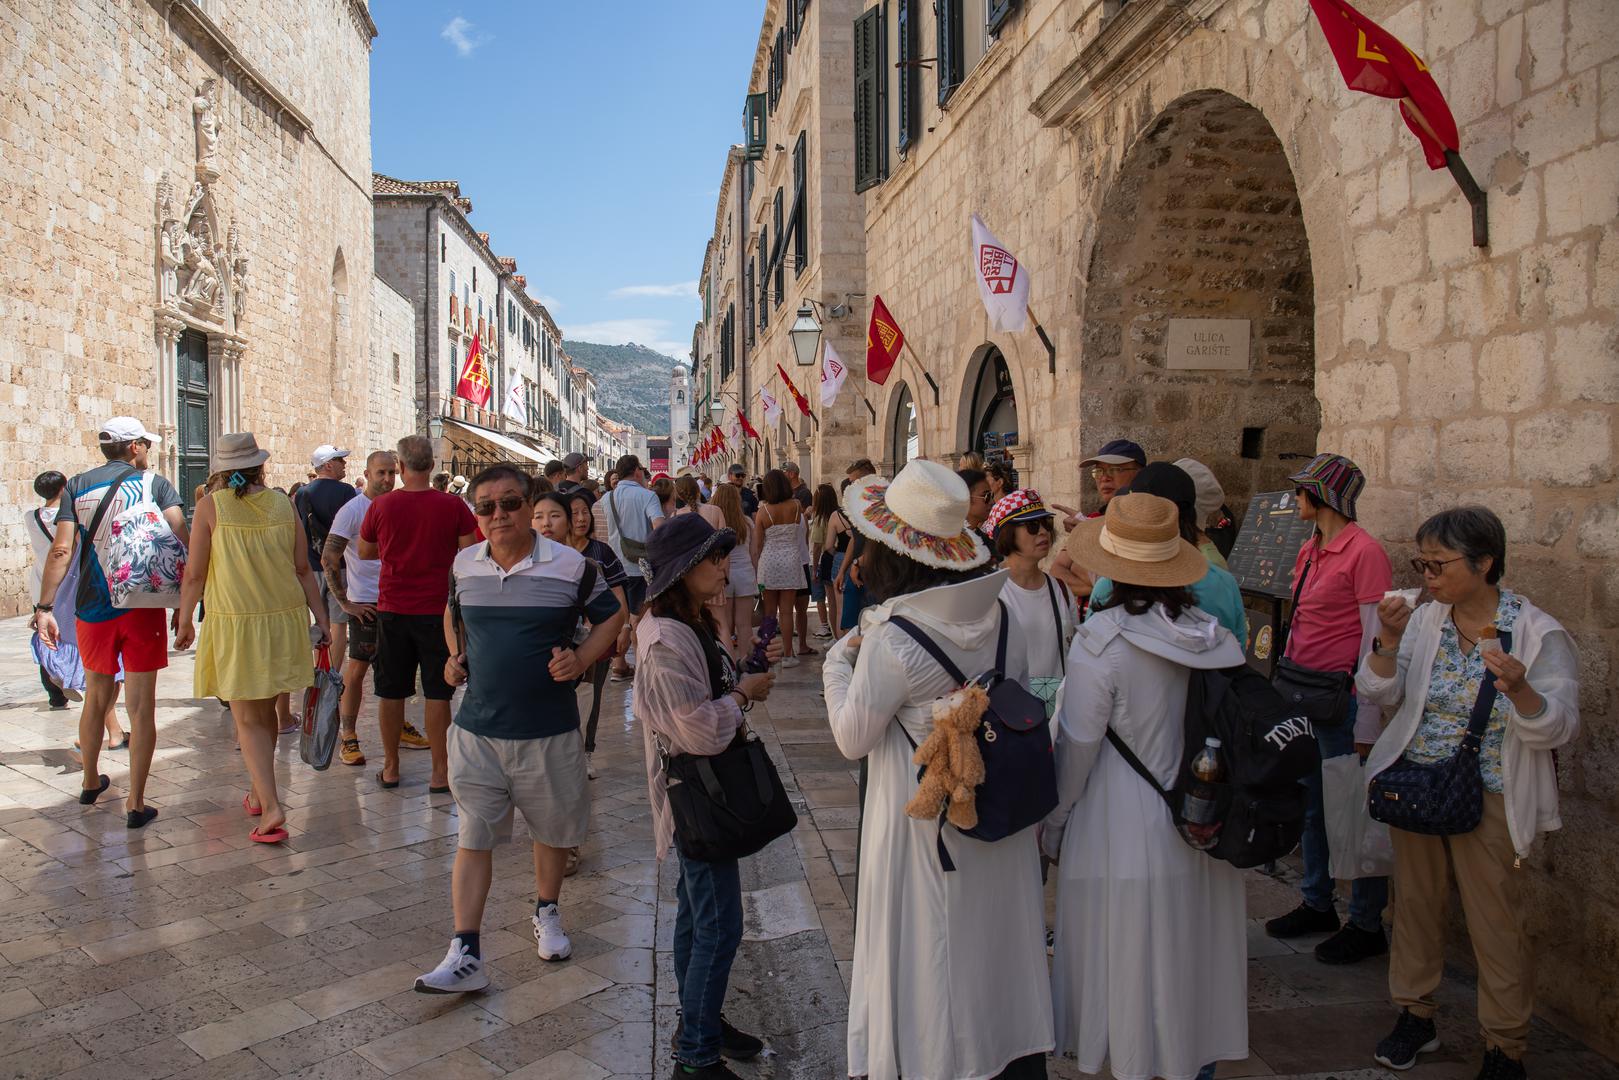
1038,526
1433,567
509,503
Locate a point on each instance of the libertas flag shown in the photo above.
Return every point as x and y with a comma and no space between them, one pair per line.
1003,283
884,340
833,373
772,406
1374,61
474,384
516,407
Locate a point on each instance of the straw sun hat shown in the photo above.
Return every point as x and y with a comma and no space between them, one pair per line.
1138,542
921,513
236,451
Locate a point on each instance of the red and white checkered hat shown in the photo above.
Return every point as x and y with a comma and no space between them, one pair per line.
1021,505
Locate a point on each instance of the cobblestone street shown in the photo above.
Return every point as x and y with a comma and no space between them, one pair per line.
186,951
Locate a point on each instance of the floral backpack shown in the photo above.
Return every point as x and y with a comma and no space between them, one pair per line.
144,560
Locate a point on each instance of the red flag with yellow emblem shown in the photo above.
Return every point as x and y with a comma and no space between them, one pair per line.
474,384
1374,61
884,340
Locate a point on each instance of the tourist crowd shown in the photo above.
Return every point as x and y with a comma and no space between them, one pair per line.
1032,708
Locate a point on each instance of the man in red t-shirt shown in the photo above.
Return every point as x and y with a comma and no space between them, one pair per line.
415,531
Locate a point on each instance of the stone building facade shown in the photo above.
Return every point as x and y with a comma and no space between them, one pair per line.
187,233
1171,159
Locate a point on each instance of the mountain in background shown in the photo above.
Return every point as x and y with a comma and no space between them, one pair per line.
632,382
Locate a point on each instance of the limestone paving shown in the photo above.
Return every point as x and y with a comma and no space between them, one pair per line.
184,951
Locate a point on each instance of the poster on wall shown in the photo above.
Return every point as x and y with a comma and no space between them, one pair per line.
1272,534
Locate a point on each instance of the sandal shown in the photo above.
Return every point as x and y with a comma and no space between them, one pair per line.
122,744
386,783
251,810
90,795
272,836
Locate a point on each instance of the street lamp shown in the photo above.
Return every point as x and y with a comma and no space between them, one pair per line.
806,335
716,408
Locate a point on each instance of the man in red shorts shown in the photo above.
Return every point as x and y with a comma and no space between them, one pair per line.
138,638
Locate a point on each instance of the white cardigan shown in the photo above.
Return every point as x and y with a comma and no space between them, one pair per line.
1528,775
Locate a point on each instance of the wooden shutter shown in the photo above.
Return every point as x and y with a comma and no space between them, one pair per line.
997,12
754,125
780,259
947,16
800,222
909,75
869,70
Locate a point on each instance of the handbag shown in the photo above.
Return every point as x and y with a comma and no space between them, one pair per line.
318,736
728,805
1322,697
633,550
1440,798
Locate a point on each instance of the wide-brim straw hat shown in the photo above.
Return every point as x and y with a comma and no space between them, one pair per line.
235,452
921,513
678,545
1138,542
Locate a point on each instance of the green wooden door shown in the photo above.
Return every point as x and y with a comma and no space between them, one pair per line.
193,411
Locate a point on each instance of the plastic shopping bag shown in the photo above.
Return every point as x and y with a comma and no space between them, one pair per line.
319,736
1358,846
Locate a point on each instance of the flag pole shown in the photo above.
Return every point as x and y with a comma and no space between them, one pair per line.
1459,172
925,374
1051,350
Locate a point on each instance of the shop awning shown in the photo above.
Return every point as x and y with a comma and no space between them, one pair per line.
505,442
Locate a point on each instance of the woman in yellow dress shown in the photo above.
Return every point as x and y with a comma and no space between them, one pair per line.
249,554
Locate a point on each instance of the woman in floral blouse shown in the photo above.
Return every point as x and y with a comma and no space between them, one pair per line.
1430,664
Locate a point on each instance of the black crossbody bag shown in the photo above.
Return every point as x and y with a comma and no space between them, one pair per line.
731,804
1440,798
1324,697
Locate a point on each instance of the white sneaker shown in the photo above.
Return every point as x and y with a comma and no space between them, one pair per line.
590,765
791,661
458,973
553,943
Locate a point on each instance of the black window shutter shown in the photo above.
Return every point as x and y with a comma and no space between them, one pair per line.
764,276
910,82
869,65
948,17
781,260
800,223
997,13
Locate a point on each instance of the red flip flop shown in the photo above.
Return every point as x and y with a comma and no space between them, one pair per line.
249,808
274,836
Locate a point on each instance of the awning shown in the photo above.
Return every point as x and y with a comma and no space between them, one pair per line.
505,442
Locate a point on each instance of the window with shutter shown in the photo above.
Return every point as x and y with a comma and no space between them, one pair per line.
800,222
870,63
780,53
754,126
764,277
997,12
909,75
748,321
780,284
770,79
947,16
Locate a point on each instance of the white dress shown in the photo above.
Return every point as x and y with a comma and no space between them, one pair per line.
781,558
1151,970
1048,616
950,976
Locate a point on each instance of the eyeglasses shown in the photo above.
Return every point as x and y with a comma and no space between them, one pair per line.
1104,472
1433,567
509,503
985,496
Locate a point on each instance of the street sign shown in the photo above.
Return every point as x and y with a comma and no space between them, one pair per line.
1206,345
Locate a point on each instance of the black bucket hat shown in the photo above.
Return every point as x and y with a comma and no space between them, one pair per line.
676,546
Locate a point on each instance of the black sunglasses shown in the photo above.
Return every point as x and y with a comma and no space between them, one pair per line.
509,503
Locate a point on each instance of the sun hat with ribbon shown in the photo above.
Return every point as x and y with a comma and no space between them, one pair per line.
1333,479
678,545
1138,541
235,452
921,513
1023,504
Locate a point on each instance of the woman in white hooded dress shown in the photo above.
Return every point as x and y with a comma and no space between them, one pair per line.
950,979
1151,965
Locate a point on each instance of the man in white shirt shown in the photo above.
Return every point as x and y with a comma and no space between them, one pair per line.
353,584
633,510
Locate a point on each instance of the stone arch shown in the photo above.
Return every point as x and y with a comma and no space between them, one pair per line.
341,318
1203,221
902,429
988,401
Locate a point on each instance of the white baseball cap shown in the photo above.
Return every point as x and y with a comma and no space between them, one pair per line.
326,452
125,429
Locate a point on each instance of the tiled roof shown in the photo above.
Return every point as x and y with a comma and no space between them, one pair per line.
451,189
509,264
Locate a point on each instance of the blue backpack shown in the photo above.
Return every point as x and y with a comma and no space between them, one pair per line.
1014,739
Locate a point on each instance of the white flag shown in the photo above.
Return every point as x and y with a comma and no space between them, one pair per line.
1002,281
516,406
772,407
833,373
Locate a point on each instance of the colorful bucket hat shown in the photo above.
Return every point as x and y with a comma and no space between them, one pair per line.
921,513
1333,479
1024,504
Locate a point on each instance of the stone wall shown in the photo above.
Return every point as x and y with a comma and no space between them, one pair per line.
1450,373
404,265
98,106
392,410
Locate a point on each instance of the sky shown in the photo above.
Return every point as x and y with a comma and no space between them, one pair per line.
590,137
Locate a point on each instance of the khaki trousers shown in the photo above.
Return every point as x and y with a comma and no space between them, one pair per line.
1491,902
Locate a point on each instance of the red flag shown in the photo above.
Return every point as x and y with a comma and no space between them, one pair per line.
884,340
474,384
719,440
1374,61
747,428
803,403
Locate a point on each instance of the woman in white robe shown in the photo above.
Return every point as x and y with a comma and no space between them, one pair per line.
950,978
1150,975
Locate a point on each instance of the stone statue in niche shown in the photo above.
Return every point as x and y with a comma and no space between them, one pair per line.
238,273
205,114
202,287
170,245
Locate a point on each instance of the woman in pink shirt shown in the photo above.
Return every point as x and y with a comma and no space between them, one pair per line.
1339,578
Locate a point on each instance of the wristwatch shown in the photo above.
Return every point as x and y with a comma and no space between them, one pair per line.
42,607
1378,650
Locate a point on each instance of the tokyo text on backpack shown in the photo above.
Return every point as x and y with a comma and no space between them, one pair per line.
1268,748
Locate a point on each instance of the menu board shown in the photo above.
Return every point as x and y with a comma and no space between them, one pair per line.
1268,543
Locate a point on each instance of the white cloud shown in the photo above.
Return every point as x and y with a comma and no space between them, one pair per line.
653,333
680,290
550,302
459,33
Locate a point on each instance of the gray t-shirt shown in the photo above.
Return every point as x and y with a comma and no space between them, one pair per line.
80,500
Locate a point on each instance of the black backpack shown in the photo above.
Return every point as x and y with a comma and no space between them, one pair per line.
1014,739
1268,747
